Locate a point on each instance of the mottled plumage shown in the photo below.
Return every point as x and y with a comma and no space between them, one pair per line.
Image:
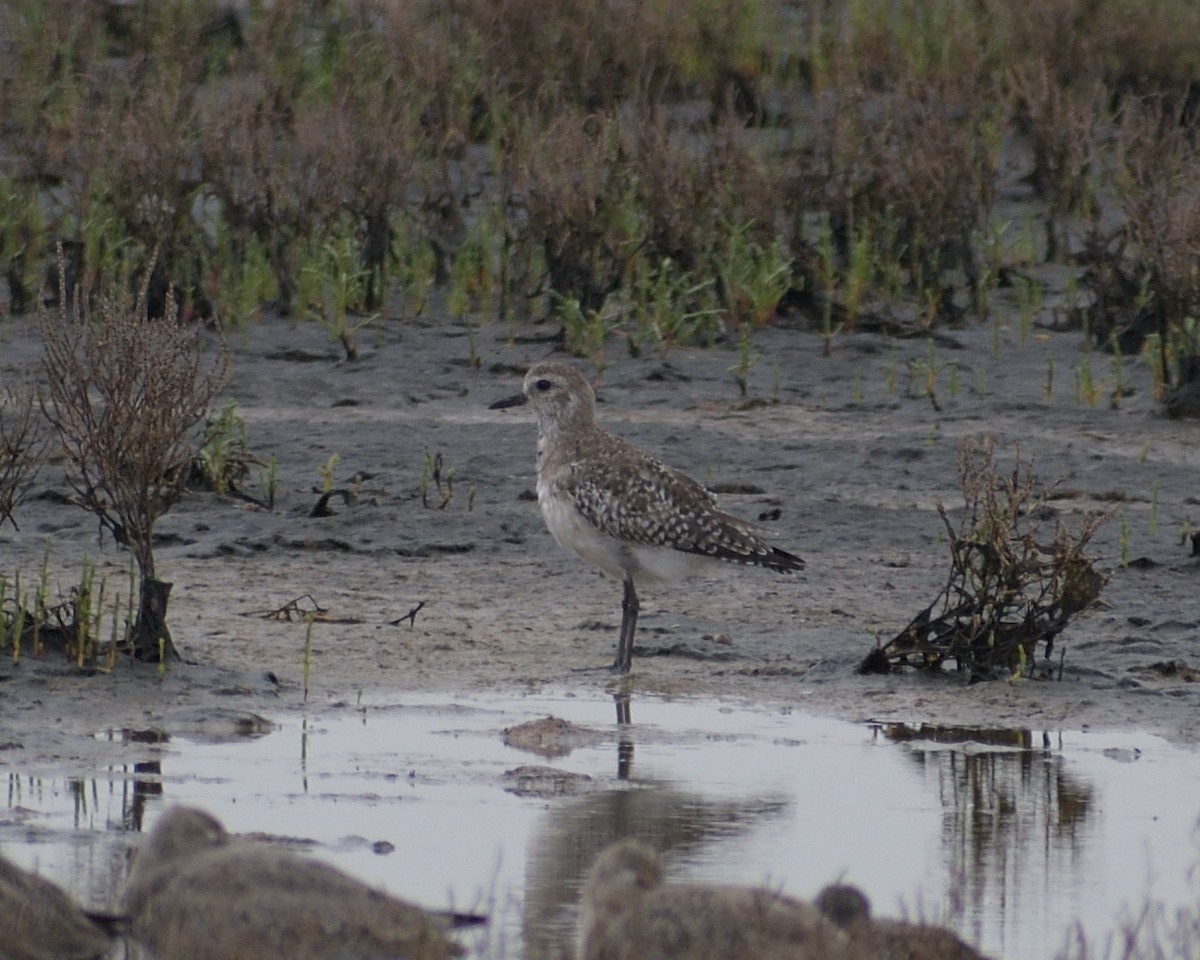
872,939
196,893
633,516
38,921
629,913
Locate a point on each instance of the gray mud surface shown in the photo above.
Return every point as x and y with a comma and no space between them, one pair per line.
845,451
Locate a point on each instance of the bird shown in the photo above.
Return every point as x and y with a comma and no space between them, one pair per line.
197,893
849,908
627,912
39,921
637,519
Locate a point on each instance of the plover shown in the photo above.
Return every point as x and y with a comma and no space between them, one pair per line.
38,921
628,913
849,908
196,893
637,519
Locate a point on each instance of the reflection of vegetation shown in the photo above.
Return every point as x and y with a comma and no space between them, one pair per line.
1010,807
1152,932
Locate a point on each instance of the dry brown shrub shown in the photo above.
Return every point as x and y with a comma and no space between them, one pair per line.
1071,38
23,442
579,202
1012,585
1152,52
1063,123
242,142
1158,186
911,167
696,185
46,52
152,174
292,147
577,53
264,145
125,394
374,138
114,126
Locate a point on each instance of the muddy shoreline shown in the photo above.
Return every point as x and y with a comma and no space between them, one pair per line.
844,456
840,450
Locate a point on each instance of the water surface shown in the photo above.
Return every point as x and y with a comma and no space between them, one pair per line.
1008,835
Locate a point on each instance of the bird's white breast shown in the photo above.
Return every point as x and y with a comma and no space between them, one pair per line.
573,531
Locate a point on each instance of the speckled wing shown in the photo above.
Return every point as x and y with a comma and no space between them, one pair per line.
640,500
718,923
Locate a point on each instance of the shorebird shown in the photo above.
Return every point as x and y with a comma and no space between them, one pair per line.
637,519
849,908
196,893
628,913
38,921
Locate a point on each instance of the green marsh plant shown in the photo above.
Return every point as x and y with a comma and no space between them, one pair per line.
224,453
23,241
747,360
414,266
73,627
827,274
333,288
326,471
240,279
753,276
669,306
1029,302
437,482
309,620
587,331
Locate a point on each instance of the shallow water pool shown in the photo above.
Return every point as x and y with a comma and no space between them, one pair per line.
1009,836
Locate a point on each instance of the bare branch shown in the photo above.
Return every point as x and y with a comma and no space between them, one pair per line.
1008,589
125,394
23,442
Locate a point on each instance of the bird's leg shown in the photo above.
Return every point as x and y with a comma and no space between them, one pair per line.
629,615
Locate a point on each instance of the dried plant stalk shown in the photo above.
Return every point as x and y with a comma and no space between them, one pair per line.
1010,586
23,442
125,394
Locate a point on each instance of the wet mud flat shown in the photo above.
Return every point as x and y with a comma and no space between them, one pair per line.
843,457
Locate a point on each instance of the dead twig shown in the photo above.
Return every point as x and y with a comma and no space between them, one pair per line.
1010,587
294,610
411,616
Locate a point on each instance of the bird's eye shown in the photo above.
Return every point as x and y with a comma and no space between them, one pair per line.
543,385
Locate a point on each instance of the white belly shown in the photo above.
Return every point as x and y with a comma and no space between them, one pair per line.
615,557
